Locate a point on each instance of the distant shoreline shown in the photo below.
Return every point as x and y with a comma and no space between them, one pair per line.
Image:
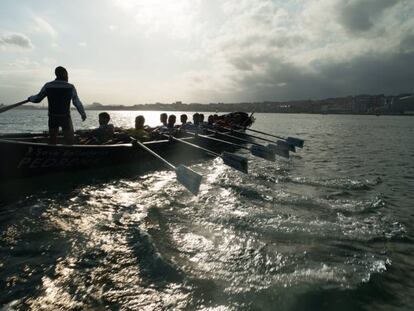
363,104
215,111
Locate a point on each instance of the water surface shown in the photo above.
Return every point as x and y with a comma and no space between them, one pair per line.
330,228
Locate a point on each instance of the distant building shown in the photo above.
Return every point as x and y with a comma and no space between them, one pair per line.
367,103
403,103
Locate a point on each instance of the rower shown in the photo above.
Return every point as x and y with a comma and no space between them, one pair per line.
171,121
196,118
140,132
163,118
201,119
183,119
169,129
103,134
59,94
210,121
186,126
105,131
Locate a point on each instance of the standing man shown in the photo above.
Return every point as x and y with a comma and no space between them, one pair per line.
59,94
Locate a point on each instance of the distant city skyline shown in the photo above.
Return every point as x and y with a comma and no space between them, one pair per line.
142,51
402,104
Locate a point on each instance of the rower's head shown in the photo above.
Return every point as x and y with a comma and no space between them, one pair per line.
238,118
183,118
104,118
210,120
163,118
61,73
139,122
196,118
201,117
171,120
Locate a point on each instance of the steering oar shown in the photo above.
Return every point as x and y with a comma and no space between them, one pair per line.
4,109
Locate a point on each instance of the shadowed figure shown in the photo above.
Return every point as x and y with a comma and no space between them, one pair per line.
183,119
164,118
59,94
140,131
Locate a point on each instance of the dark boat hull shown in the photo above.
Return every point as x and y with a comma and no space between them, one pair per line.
21,159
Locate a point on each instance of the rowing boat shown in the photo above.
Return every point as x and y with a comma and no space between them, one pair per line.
28,155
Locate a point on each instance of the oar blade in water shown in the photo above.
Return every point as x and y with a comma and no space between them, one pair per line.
280,150
188,178
262,152
235,161
295,141
286,145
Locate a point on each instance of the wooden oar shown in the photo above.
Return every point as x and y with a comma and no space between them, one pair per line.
297,142
186,176
233,160
256,150
4,109
285,144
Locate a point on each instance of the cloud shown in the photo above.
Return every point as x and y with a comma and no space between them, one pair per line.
15,40
230,50
371,73
266,51
162,17
41,25
362,15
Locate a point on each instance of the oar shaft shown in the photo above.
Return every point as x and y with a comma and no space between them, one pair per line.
253,136
154,154
194,145
234,137
4,109
298,142
260,132
219,140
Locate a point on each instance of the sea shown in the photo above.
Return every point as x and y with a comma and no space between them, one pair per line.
331,228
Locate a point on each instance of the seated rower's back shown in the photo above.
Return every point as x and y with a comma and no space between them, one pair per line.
184,124
105,131
201,119
210,121
163,119
170,127
139,132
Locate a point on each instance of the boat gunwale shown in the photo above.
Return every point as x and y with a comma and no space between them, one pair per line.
123,145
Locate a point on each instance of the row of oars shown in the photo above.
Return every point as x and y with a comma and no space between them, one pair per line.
191,179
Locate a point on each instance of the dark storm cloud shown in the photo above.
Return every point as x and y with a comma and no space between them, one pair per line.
373,74
18,40
361,15
407,44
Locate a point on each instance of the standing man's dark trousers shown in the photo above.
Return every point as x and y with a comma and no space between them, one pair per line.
64,122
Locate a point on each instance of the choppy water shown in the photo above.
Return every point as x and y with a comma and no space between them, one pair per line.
331,228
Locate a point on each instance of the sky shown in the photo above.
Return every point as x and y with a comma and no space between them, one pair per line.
126,52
